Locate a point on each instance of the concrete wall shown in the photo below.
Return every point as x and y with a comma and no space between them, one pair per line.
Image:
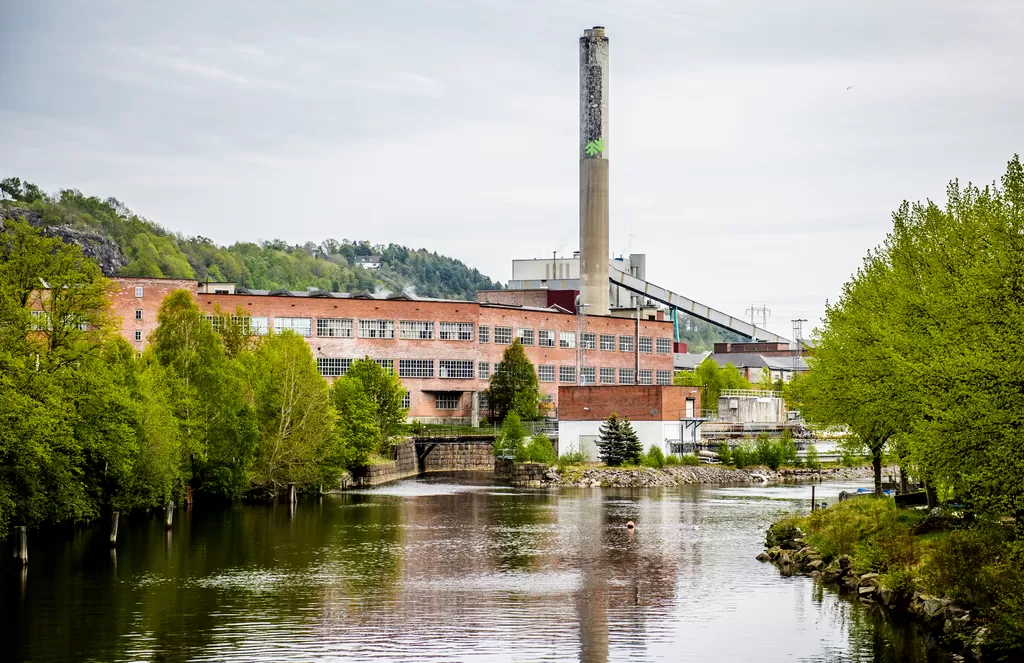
750,410
573,435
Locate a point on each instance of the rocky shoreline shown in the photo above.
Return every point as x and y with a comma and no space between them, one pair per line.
674,475
952,625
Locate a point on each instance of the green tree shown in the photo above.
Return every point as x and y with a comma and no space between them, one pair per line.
538,450
356,423
725,453
787,449
387,393
511,437
618,442
712,379
514,386
811,457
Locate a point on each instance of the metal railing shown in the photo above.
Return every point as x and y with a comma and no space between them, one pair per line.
750,393
446,431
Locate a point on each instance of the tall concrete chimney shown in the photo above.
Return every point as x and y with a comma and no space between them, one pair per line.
594,171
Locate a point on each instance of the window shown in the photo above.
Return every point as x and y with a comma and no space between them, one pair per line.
456,331
406,400
608,342
138,334
546,373
663,346
415,368
588,341
588,375
301,326
138,314
567,339
645,377
646,344
334,327
625,376
138,291
625,344
416,331
484,370
259,326
218,322
664,377
484,403
376,329
387,364
546,338
567,374
332,367
40,320
525,336
607,376
447,400
484,333
455,369
503,335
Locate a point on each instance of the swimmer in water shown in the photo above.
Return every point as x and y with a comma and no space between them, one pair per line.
630,525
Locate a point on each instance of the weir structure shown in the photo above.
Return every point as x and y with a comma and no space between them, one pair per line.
594,171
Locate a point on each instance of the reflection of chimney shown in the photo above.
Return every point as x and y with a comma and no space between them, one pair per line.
594,171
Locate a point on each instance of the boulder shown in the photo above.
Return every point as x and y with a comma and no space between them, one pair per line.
933,608
815,565
845,563
866,591
887,597
763,557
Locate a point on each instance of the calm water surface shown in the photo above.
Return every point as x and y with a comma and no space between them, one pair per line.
445,569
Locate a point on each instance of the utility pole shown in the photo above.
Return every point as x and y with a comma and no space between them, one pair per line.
798,335
581,327
763,311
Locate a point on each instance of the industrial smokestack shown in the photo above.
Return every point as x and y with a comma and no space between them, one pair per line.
594,171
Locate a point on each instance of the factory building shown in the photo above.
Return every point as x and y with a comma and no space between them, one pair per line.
443,350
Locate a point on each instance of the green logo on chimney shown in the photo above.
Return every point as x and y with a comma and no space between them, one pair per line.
595,147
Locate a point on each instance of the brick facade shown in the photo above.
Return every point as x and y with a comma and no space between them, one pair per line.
638,402
423,391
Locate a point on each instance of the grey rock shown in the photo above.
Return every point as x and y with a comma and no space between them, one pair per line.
763,557
933,608
866,590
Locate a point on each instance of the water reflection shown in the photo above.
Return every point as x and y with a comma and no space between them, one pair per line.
443,569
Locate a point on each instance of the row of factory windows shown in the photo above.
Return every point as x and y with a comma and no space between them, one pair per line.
459,369
446,331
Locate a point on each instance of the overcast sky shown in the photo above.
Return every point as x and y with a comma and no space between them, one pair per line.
757,149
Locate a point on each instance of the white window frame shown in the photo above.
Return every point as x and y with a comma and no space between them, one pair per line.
567,339
525,336
447,400
546,338
138,314
139,291
646,344
332,367
294,324
259,325
483,370
546,373
588,375
387,364
484,333
138,336
407,400
416,330
335,327
607,376
663,378
455,369
588,341
645,376
503,335
567,374
376,328
626,344
663,346
415,368
627,376
608,342
455,331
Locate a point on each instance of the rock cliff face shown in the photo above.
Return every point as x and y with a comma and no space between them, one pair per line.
103,250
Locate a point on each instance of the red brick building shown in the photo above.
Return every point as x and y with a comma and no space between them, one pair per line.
443,350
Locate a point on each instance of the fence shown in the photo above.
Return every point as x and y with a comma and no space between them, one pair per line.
549,428
752,393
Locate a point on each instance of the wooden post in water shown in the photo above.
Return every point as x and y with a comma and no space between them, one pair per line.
168,514
292,496
813,503
188,497
114,517
21,545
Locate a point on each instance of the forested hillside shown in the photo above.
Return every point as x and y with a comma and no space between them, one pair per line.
126,244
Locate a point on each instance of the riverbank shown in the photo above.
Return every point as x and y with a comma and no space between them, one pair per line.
959,578
638,477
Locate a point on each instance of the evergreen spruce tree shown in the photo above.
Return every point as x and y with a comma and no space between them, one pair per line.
618,442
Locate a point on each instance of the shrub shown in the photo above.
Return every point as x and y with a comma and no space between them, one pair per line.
573,457
960,565
417,428
768,452
838,530
849,459
787,449
537,450
510,438
689,459
725,453
672,459
812,457
743,455
900,581
654,457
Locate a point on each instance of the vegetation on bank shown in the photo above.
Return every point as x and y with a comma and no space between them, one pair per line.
152,251
712,379
87,426
975,562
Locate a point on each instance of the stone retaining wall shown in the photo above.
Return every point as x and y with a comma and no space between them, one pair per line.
402,467
460,457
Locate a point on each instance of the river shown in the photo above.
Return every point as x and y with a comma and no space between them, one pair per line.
446,568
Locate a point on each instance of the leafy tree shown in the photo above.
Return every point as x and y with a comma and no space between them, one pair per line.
293,414
767,451
712,379
811,457
514,386
725,453
655,457
386,391
510,438
618,442
356,424
538,450
787,449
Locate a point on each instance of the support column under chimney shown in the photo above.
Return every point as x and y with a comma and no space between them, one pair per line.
594,171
